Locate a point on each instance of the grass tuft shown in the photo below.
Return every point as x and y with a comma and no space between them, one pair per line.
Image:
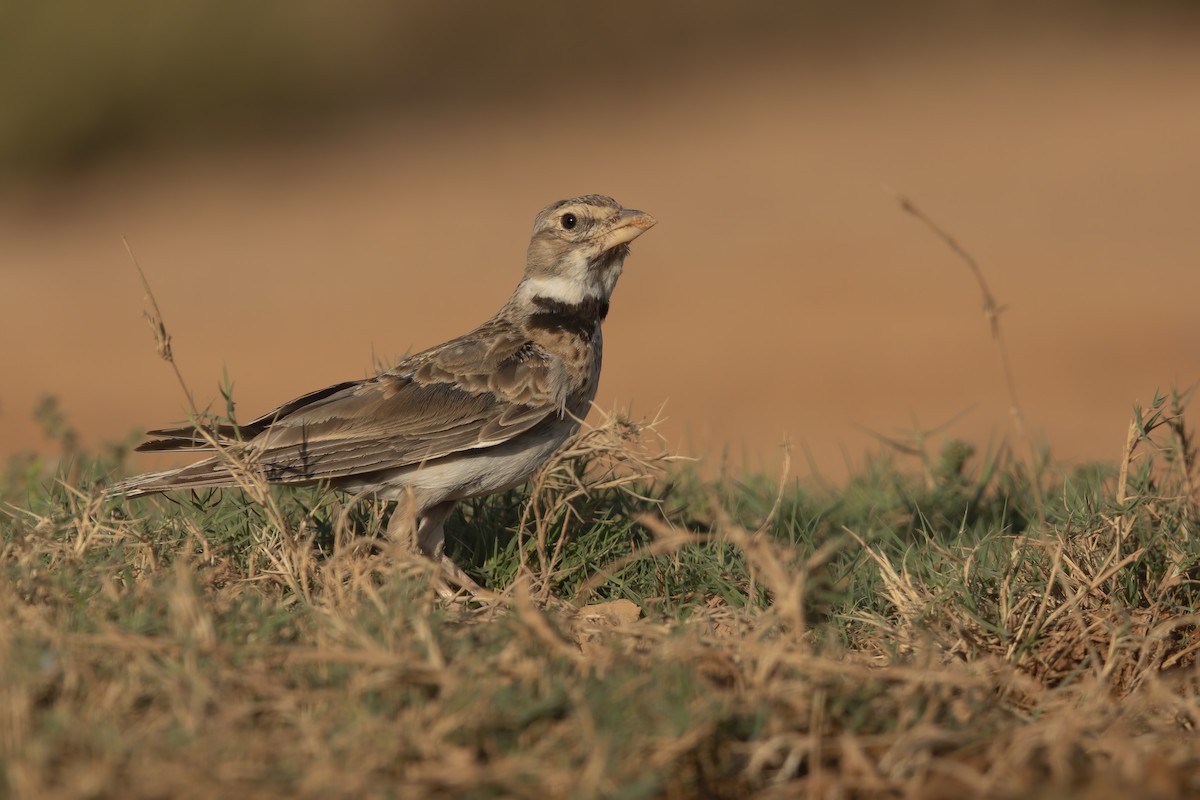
916,632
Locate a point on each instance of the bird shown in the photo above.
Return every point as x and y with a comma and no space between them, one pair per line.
474,416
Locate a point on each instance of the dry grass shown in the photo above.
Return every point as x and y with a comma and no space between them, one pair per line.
190,650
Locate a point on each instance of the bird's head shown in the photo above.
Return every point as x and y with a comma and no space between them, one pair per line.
579,246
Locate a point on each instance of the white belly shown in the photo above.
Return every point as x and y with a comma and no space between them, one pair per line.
472,472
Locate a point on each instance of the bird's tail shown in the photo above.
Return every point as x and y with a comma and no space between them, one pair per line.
206,474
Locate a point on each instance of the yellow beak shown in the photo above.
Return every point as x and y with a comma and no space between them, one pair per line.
630,225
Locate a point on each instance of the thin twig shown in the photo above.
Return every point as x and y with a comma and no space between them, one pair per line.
991,313
241,461
162,338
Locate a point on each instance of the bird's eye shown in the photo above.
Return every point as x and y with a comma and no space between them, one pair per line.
569,221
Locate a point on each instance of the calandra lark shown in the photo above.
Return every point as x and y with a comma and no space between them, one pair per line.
476,415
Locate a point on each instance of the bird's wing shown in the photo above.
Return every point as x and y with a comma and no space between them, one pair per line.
473,392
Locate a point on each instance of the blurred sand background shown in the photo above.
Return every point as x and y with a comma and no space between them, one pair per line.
309,191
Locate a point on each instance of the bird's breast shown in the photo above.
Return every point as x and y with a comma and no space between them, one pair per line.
580,361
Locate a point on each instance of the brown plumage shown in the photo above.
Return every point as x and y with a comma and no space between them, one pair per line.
473,416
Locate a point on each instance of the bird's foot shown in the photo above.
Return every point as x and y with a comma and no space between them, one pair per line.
454,585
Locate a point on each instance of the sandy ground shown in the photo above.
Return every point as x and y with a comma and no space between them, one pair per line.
783,294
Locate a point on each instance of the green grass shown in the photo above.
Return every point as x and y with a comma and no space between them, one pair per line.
925,629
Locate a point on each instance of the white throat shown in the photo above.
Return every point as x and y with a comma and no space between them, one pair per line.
569,291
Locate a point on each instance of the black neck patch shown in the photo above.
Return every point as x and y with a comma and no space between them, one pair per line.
579,318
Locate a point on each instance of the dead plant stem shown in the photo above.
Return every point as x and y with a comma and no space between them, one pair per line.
991,313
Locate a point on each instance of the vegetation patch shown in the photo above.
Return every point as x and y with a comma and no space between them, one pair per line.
933,629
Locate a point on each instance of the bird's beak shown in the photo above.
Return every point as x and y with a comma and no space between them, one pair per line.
630,225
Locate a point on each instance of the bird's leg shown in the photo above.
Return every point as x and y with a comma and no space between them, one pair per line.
431,533
402,526
430,540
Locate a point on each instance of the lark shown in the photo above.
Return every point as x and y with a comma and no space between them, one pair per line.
471,417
